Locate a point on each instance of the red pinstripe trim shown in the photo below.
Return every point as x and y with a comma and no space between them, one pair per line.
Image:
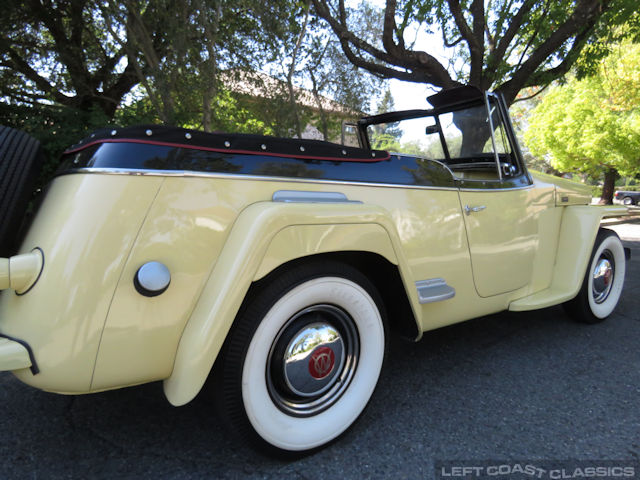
225,150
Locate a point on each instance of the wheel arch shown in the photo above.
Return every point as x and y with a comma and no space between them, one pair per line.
384,275
266,236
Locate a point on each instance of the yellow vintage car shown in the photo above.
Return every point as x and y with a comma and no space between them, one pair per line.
276,268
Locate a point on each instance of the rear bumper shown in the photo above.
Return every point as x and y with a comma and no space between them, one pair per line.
15,355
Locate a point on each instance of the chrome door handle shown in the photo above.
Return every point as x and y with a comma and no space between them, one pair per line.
469,210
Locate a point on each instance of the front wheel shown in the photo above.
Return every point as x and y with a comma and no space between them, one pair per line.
603,281
303,359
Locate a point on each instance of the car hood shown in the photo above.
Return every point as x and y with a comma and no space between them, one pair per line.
568,192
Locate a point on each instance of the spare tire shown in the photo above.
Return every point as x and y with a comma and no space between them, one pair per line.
20,164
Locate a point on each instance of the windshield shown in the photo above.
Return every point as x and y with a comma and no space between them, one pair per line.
461,139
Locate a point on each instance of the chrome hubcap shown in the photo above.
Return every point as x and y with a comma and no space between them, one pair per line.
312,361
603,277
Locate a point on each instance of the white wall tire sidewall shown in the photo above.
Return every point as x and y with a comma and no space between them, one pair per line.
298,434
614,245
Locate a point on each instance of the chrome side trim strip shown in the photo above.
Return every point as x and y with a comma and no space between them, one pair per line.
301,196
434,290
494,190
260,178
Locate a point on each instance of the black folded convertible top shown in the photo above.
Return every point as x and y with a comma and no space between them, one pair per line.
236,143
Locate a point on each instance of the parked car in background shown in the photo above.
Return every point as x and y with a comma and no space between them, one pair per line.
628,198
277,268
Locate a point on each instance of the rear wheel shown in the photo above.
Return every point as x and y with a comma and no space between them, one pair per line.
303,359
627,201
603,281
20,164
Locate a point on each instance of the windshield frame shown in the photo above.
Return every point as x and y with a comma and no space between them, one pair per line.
448,104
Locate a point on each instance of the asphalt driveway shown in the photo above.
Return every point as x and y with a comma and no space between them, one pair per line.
507,387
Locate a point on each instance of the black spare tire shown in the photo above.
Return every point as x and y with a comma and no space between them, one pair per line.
20,164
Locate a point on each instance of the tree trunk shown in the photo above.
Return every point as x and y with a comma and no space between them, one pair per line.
210,65
323,115
292,97
610,176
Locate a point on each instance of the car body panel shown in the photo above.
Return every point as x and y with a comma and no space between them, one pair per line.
86,227
233,273
185,229
568,192
577,234
503,236
13,355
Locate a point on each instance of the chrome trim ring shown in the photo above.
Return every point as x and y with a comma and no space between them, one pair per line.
312,360
603,275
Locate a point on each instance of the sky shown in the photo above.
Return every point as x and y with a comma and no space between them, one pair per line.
409,95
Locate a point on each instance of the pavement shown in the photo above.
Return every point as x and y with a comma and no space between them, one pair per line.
512,387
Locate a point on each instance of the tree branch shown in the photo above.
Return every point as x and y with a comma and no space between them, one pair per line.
458,17
534,34
579,24
559,70
524,99
389,29
342,31
20,65
70,53
416,66
504,42
477,48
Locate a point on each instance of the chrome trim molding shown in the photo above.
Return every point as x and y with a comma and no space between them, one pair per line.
494,190
493,138
301,196
434,290
259,178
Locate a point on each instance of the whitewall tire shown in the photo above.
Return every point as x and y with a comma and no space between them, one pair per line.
304,358
603,281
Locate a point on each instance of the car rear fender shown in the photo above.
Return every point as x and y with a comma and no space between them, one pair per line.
264,236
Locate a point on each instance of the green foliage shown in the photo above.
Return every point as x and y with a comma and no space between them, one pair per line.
62,52
502,45
596,191
385,141
593,124
625,26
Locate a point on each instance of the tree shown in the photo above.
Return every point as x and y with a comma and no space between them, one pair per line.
202,38
62,74
59,52
592,125
310,58
504,45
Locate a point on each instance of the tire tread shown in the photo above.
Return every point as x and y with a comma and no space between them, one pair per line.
20,164
225,384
